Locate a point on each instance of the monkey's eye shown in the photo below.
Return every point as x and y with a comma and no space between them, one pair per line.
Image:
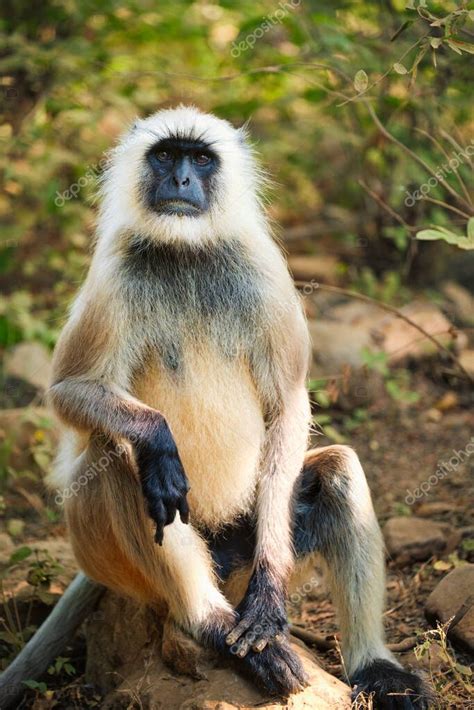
202,159
163,155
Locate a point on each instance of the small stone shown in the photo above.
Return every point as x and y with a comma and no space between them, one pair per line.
453,592
30,362
409,538
448,401
437,507
434,415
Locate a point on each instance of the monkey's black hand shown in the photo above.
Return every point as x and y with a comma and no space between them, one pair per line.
163,479
261,614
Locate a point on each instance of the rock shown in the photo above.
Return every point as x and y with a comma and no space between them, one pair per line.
401,341
350,328
466,358
20,431
324,268
428,510
335,345
124,658
449,400
30,362
409,538
453,592
462,301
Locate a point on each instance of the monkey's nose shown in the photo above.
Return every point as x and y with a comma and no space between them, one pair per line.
181,182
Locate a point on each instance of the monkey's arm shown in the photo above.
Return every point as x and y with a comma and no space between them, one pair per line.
262,611
86,397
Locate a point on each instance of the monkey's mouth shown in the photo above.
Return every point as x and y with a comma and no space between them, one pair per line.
180,208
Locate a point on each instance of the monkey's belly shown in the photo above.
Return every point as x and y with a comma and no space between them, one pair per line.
216,420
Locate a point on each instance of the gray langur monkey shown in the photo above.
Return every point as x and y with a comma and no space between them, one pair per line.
183,365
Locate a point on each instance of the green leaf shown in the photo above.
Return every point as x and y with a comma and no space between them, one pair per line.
361,81
450,237
468,545
470,229
465,670
21,554
34,685
460,47
333,434
451,44
442,565
399,68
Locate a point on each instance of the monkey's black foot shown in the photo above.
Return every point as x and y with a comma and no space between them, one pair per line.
391,687
261,615
276,669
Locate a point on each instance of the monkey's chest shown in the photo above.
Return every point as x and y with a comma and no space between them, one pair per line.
216,419
187,298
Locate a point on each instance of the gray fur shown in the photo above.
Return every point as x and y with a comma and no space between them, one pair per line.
209,291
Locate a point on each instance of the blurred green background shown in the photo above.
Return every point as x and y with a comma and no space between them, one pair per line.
312,78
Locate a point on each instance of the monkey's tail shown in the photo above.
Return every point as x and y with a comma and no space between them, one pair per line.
54,634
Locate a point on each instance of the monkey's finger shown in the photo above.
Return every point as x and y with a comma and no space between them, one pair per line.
243,647
170,513
159,517
236,633
183,508
259,645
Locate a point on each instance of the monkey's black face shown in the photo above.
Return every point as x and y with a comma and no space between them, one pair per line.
182,177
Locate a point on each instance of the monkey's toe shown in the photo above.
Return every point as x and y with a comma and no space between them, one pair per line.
391,687
276,669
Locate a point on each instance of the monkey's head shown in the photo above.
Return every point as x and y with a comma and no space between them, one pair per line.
182,175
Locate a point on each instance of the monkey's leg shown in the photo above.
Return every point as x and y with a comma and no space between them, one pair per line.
334,517
113,541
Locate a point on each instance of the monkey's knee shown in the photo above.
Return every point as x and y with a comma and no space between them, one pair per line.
332,501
